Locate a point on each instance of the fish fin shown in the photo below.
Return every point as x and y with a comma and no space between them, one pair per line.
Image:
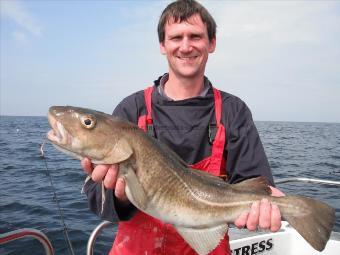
134,190
258,185
203,241
103,197
170,153
313,219
121,151
88,178
207,177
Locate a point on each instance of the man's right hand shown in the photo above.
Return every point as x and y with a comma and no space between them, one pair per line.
108,174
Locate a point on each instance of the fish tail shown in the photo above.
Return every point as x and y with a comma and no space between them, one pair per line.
313,219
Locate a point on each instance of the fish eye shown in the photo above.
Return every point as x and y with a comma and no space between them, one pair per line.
88,121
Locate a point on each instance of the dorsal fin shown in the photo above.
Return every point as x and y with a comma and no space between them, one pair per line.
168,152
205,176
258,185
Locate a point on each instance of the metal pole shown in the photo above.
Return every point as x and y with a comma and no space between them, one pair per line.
308,180
94,234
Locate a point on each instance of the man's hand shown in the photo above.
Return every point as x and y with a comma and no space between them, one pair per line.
262,214
108,174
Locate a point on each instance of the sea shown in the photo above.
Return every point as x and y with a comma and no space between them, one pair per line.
27,199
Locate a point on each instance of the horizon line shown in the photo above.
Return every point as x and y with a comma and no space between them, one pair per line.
291,121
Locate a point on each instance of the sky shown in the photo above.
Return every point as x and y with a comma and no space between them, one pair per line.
281,57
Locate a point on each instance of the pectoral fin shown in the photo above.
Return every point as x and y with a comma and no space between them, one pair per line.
203,241
120,152
134,190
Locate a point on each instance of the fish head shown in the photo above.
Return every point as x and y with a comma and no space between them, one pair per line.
82,132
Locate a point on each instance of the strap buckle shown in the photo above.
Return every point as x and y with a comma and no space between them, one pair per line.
150,130
212,130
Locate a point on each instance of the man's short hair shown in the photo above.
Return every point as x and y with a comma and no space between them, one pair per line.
182,10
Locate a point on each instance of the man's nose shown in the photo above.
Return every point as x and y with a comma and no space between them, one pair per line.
186,45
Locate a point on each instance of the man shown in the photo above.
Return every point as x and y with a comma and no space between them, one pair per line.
211,130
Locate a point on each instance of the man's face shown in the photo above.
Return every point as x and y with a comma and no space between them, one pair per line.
187,46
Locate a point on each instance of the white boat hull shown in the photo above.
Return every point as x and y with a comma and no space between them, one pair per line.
285,242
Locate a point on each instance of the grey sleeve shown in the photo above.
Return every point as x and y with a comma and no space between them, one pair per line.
130,108
246,157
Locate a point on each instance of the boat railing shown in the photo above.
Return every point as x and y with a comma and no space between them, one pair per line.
28,232
105,224
308,180
94,234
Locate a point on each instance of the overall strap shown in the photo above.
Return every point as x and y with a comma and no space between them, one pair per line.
217,159
218,106
146,122
148,102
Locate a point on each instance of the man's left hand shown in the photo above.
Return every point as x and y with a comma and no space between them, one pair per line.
262,214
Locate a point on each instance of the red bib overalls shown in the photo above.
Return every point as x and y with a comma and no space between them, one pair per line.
145,235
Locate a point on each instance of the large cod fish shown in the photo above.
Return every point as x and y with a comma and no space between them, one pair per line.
160,184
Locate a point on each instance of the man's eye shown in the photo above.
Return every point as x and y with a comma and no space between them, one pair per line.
195,37
175,38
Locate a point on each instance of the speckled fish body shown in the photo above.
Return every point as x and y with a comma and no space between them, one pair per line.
160,184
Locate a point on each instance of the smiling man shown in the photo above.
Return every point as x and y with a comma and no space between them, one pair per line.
210,130
186,46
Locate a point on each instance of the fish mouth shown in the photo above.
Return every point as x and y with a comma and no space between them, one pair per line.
57,135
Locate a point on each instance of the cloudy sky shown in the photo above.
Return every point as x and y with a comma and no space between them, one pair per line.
281,57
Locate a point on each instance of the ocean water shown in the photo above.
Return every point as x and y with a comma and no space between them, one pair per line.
26,196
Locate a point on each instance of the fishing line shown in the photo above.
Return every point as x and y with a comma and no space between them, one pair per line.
60,210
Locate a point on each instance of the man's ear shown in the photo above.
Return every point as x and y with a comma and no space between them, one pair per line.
162,48
212,45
